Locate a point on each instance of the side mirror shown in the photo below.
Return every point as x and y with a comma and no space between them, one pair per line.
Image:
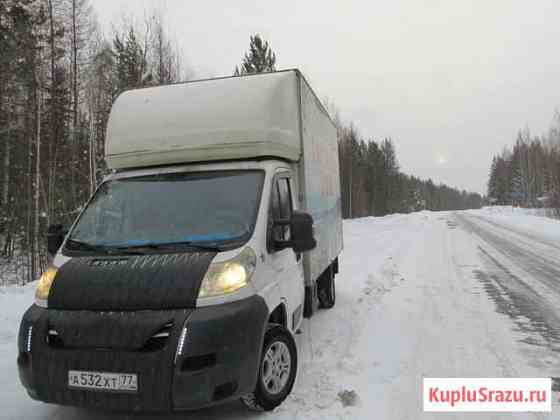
301,230
55,237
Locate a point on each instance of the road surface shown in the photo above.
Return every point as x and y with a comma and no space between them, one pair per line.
466,294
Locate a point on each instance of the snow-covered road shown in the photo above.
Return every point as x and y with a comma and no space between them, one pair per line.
470,294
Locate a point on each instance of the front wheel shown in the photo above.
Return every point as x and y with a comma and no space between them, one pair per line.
277,371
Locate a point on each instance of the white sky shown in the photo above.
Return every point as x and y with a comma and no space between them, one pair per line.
451,82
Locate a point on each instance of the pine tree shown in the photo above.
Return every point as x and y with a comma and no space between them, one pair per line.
101,90
130,61
493,180
390,172
259,59
516,180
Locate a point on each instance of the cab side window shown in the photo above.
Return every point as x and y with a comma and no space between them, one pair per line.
281,208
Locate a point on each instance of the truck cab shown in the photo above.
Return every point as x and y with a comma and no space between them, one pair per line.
183,280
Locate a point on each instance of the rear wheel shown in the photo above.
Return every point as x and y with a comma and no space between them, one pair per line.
326,289
277,371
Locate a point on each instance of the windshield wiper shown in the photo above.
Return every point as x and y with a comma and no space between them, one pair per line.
84,246
203,246
76,245
165,246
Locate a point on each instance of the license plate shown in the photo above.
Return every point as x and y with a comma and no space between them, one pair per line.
103,381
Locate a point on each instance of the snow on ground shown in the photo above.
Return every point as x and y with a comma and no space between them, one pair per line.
541,212
527,220
418,295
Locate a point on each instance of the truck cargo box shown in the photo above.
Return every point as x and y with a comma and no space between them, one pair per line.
209,120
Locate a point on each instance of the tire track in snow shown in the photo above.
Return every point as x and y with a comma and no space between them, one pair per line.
530,236
524,285
543,268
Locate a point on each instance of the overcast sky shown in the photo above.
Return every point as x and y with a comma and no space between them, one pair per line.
451,82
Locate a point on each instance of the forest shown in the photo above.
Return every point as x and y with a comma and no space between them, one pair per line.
528,174
372,183
59,75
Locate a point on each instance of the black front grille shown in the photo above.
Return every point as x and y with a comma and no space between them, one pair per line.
154,342
108,330
70,343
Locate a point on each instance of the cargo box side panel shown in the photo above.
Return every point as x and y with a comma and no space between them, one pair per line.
321,184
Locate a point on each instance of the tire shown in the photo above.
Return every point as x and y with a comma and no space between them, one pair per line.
326,289
274,386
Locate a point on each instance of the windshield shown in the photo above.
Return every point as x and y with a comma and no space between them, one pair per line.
212,208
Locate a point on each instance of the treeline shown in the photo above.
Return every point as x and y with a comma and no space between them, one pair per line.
373,185
59,76
528,174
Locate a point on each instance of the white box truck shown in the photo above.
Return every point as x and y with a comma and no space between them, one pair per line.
183,280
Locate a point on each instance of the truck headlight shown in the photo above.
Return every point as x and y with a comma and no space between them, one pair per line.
44,286
228,276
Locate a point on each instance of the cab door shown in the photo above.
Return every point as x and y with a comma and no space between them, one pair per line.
287,265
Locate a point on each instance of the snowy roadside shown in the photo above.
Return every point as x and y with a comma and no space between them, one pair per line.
533,221
14,300
409,305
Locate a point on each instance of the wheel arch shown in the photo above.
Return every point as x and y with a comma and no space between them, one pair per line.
279,315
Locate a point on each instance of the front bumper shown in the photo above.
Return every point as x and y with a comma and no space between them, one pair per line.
219,359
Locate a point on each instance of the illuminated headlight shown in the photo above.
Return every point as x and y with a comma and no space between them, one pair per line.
44,286
228,276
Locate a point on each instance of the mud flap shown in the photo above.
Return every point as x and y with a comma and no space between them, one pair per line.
311,303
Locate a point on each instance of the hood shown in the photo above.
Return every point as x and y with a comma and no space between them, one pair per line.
129,283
